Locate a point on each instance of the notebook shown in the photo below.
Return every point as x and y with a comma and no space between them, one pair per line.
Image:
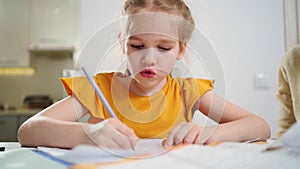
27,159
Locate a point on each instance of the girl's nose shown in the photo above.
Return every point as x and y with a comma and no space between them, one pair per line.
149,57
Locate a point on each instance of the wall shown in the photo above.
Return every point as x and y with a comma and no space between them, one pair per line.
247,35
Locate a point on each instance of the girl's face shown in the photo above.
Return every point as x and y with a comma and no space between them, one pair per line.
151,58
152,47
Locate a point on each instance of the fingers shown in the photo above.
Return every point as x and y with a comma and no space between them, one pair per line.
124,129
186,133
193,134
122,136
112,133
169,141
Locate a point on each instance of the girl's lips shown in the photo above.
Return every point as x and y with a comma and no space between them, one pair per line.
148,73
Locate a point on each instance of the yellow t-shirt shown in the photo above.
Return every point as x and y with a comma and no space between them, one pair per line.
149,116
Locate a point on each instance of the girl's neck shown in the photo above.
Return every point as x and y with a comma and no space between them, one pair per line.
139,90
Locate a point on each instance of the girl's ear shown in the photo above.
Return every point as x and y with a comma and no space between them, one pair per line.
182,48
121,41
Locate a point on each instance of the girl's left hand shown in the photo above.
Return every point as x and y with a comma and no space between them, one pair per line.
184,133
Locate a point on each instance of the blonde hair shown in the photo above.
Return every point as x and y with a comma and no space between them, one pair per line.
168,6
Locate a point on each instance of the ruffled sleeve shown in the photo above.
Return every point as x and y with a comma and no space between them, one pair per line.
191,90
84,92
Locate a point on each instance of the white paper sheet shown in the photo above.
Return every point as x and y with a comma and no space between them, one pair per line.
290,139
149,153
145,148
225,156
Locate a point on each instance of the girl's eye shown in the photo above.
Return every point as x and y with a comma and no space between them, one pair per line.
137,46
164,48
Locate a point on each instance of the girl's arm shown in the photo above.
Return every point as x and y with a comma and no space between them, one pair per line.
55,126
58,126
236,124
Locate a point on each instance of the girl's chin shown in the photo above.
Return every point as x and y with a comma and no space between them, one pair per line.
150,82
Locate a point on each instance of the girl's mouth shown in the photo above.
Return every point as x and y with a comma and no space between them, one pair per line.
147,73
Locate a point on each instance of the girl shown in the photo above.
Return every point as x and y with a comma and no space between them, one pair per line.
149,103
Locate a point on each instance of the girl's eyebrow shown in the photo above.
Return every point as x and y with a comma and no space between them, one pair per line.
170,41
134,38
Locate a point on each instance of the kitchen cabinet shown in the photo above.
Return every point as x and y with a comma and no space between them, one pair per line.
28,25
8,128
10,122
14,32
54,24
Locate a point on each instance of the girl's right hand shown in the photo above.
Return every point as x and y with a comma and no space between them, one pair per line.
111,133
